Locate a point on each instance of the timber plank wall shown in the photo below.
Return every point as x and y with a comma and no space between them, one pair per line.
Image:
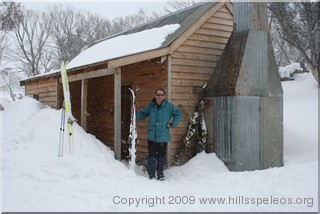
192,64
45,90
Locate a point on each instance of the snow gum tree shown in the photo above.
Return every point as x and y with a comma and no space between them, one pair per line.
298,24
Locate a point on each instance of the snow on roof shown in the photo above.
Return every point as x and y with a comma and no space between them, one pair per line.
123,45
50,73
119,46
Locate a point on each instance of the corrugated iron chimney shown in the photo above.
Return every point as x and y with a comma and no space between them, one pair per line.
245,97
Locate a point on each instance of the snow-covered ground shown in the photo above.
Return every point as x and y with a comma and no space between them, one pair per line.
35,179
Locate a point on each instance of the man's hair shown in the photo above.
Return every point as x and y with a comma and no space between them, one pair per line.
160,89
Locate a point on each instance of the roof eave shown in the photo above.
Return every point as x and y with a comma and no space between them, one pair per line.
126,60
23,82
112,63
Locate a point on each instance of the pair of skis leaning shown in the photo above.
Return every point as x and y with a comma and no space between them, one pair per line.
66,113
197,129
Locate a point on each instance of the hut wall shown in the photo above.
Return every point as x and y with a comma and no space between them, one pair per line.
45,90
192,64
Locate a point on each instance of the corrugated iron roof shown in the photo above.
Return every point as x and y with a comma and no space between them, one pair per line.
185,18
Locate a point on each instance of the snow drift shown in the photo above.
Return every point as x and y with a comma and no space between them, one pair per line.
35,179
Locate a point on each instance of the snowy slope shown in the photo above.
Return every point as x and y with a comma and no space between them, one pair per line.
35,179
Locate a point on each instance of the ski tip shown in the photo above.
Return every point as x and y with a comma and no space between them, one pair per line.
132,90
63,63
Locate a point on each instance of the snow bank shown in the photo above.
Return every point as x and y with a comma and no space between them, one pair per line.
35,179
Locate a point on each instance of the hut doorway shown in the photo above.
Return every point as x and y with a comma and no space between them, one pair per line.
126,104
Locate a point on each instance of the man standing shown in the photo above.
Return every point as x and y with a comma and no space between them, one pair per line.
162,116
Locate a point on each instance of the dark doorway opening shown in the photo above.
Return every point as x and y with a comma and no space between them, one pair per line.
126,104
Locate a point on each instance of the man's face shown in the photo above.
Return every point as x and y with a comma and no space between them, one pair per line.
160,96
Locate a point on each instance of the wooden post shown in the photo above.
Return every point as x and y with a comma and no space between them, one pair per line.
84,87
117,113
169,78
169,99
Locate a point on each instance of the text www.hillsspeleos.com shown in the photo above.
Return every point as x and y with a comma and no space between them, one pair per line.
192,200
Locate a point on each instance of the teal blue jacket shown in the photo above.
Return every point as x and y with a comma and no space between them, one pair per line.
159,117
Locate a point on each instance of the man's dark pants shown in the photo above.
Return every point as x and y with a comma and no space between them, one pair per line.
156,158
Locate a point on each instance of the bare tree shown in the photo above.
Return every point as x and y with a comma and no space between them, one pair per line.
30,45
99,28
72,31
3,44
173,6
10,83
298,24
10,15
120,24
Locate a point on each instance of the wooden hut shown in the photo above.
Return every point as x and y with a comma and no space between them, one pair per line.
181,64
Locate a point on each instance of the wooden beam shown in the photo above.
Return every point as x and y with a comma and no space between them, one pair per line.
117,114
163,58
91,74
169,97
230,7
178,42
138,57
169,77
84,87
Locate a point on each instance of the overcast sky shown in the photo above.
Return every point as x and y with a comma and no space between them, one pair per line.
106,8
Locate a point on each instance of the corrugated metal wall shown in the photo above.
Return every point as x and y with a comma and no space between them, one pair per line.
271,134
244,136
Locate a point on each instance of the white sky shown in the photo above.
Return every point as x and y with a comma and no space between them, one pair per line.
106,8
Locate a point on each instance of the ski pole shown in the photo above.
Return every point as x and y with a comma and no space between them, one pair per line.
62,126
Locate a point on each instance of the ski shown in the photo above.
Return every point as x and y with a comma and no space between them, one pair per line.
67,106
186,140
133,133
62,126
202,129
